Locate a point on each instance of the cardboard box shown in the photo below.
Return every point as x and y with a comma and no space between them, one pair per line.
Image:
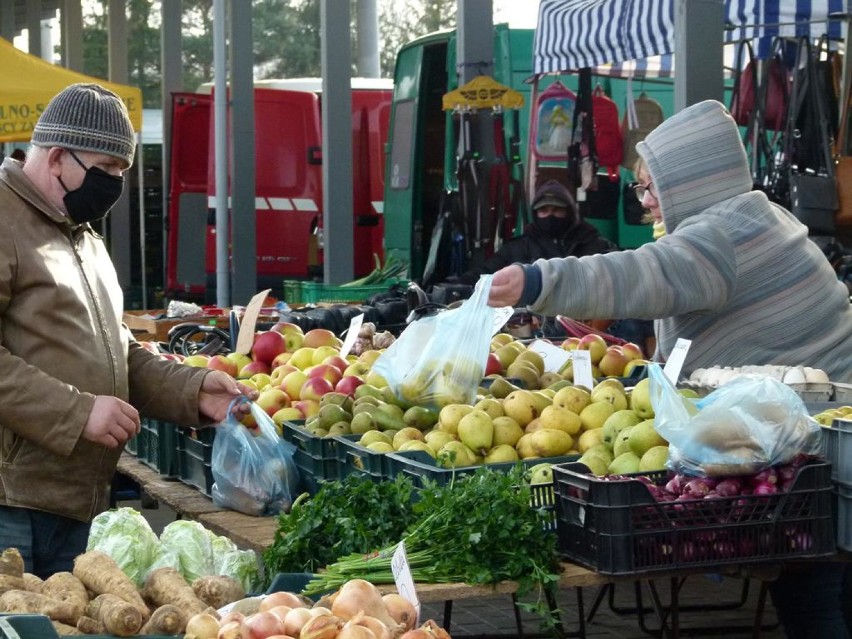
155,326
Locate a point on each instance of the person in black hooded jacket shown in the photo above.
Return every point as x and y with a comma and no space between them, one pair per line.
556,231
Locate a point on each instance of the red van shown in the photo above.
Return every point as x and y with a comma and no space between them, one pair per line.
288,202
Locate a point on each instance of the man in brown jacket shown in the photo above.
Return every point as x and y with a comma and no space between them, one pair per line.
73,380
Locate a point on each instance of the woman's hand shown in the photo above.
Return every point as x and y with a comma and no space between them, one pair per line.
218,391
506,286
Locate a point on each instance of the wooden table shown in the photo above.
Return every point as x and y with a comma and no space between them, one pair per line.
257,533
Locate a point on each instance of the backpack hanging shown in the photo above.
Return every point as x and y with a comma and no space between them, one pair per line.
775,89
553,120
641,116
608,140
744,93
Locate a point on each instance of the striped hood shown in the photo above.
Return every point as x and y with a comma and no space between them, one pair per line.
696,160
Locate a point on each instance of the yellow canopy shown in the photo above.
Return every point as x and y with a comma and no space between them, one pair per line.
30,82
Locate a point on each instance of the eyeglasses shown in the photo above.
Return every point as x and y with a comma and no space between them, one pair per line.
641,189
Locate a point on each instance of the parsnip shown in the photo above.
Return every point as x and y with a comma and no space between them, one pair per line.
11,563
100,574
32,602
8,582
119,617
63,586
167,586
218,591
64,630
32,582
166,620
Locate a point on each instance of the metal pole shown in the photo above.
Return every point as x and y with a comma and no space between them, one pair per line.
220,142
368,63
698,51
171,81
140,171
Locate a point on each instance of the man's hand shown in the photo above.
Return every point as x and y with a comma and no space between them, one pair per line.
218,391
111,422
506,286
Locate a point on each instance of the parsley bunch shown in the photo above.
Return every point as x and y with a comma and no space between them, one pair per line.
478,529
349,516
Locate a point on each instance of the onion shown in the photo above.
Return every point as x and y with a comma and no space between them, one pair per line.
401,610
280,637
419,633
430,625
316,611
355,632
233,615
295,619
379,630
261,625
765,488
280,611
358,595
321,627
230,630
202,626
281,598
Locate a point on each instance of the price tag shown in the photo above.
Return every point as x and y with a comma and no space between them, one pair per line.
351,335
245,338
675,361
554,357
501,316
403,579
583,368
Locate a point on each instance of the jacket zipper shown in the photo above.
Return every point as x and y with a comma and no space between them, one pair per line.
96,304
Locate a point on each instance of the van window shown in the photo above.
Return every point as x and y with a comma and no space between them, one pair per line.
403,125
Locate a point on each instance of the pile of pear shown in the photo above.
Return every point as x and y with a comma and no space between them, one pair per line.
827,417
609,428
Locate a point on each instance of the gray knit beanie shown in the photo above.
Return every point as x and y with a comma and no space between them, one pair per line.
87,117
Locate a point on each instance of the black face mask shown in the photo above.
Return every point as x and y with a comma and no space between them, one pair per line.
96,195
552,226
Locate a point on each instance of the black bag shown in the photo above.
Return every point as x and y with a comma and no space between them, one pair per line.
813,200
632,209
602,203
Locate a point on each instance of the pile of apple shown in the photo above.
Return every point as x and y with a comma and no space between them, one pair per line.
607,360
292,369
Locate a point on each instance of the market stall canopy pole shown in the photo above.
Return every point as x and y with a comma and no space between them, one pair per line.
573,34
30,83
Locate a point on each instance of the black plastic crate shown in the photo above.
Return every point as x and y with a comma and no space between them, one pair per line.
615,526
315,457
354,459
195,452
156,446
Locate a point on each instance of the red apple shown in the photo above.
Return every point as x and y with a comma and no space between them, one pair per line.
281,358
222,363
632,351
570,344
197,360
308,407
280,372
267,345
287,327
348,384
293,341
292,383
337,361
596,346
317,337
272,400
358,369
253,368
329,372
613,362
493,365
315,387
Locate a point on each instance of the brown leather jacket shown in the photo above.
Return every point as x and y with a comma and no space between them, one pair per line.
61,344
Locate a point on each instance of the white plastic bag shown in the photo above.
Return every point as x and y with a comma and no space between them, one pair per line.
440,359
747,425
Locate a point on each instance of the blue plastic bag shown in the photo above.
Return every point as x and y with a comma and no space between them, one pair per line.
253,469
747,425
440,359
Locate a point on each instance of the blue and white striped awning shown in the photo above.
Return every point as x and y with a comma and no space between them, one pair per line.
618,36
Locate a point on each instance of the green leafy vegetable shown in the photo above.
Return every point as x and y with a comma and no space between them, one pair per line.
479,529
352,515
125,535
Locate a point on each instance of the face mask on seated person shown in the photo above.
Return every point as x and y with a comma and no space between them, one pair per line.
553,226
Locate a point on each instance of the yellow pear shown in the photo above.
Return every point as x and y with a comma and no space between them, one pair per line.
450,416
493,407
573,398
455,455
532,357
655,458
521,406
559,418
589,438
500,454
643,437
640,399
611,394
476,431
618,421
594,415
550,443
506,431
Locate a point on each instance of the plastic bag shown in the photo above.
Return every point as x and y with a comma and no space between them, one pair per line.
440,359
747,425
254,471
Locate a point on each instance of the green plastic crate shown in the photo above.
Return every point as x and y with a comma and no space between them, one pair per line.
315,457
354,459
293,291
156,446
317,292
194,455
